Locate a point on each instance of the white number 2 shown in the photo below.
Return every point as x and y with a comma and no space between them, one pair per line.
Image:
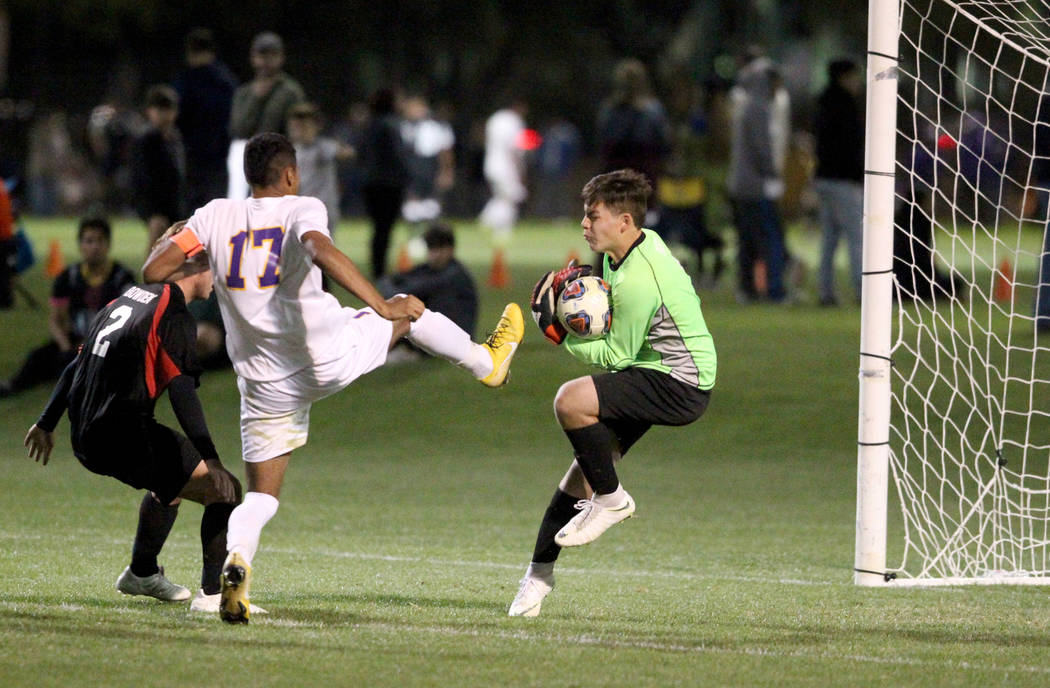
119,316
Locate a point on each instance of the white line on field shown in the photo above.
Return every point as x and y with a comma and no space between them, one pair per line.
433,561
640,573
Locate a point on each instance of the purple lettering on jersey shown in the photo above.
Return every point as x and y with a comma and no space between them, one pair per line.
275,235
234,278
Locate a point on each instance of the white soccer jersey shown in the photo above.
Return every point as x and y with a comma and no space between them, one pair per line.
278,319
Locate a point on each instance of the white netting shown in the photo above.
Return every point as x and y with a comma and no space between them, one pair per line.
970,435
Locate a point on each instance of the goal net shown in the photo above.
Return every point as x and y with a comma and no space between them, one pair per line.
969,414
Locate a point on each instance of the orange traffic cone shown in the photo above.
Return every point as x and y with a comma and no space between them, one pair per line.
1004,282
55,264
404,261
499,275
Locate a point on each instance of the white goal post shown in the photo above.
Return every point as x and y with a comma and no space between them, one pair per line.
954,408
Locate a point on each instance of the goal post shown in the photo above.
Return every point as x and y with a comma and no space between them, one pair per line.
876,293
953,460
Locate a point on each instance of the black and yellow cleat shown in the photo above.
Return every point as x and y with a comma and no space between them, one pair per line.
234,607
502,344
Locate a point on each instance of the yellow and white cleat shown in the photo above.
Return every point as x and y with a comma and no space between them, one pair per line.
502,344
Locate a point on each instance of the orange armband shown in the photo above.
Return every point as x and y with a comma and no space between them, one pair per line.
187,241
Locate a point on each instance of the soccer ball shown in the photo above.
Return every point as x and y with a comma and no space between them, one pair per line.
584,307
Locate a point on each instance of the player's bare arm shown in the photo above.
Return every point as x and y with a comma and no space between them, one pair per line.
342,270
168,262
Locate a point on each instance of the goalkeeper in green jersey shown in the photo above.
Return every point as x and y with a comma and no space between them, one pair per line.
661,363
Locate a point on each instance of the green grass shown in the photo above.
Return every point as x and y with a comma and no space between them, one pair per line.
408,519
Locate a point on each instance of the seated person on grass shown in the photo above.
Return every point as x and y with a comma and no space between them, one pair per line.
81,291
442,282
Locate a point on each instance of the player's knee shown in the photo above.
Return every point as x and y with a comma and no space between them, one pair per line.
566,403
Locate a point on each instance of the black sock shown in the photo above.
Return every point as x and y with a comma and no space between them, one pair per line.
155,522
213,544
561,510
594,452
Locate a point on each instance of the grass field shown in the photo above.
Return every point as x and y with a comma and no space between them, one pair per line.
408,519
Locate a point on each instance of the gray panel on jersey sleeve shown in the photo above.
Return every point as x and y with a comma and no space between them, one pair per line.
667,341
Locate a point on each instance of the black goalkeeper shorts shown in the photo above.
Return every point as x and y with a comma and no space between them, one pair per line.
633,400
139,452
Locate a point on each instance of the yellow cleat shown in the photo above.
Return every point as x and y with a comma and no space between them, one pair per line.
234,607
502,344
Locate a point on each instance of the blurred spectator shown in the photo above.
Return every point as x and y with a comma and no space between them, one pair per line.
317,157
632,129
682,185
112,132
555,163
1041,182
259,106
205,89
982,161
442,282
754,184
159,165
350,130
384,174
8,250
504,170
431,160
914,265
77,295
839,129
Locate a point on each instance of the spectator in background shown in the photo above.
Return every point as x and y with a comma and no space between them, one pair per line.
8,250
555,163
839,129
112,132
632,129
431,160
1041,182
159,165
754,185
504,170
442,282
77,294
682,185
261,105
317,157
205,89
384,174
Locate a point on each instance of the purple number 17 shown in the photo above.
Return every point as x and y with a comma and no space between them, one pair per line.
239,241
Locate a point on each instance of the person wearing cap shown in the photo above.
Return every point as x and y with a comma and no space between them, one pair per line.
261,105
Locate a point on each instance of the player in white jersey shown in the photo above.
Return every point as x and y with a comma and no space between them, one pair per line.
291,342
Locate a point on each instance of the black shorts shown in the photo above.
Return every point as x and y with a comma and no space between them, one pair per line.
139,452
633,400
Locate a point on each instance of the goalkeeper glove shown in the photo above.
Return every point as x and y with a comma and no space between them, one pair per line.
545,295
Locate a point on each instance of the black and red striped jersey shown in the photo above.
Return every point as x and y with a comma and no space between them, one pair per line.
135,346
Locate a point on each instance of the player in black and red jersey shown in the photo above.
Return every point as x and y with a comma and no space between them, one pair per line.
141,344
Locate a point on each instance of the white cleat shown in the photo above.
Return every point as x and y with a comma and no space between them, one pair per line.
530,596
209,604
593,520
156,586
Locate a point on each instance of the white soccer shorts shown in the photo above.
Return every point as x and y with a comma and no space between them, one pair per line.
275,414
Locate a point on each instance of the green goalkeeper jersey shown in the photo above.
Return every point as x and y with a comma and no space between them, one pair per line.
656,318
